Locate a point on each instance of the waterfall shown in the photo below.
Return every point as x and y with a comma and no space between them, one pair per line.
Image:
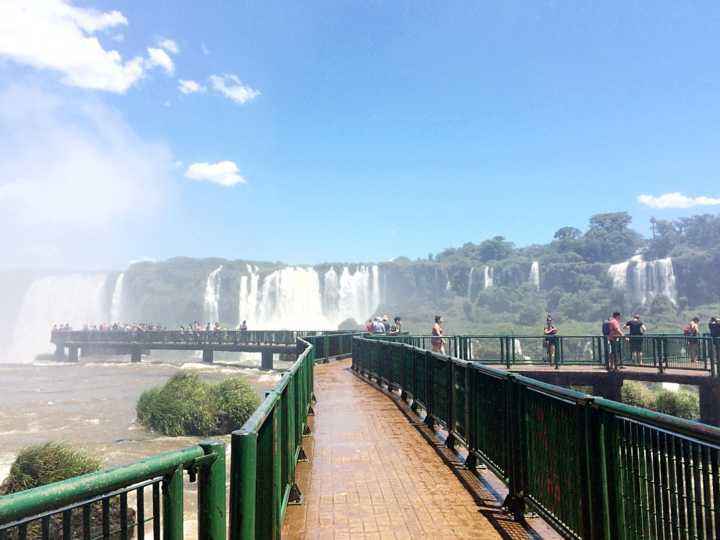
535,274
290,298
116,305
331,291
248,297
488,277
211,302
75,299
644,280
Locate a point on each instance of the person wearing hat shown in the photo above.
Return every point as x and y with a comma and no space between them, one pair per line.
550,332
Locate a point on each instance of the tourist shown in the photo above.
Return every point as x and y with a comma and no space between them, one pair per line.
692,331
437,342
378,326
551,339
397,326
637,330
369,326
243,326
714,327
614,335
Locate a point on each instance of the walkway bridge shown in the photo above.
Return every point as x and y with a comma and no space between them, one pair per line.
138,342
353,465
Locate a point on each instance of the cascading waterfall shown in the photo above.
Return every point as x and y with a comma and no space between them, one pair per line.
643,281
488,277
211,303
535,274
116,305
74,299
293,297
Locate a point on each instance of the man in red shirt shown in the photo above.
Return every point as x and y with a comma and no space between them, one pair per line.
614,338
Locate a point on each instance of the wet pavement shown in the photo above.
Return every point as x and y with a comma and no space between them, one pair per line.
371,474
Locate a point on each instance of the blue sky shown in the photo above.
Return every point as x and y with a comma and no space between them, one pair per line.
363,130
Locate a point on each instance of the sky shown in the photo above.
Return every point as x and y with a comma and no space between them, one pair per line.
345,131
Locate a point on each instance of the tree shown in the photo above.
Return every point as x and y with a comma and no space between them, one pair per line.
495,249
610,239
568,233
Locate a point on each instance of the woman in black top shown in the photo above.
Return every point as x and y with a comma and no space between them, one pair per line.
636,330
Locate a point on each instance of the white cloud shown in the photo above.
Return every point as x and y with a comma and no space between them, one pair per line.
58,36
167,103
169,45
158,57
189,87
225,173
676,200
72,170
232,88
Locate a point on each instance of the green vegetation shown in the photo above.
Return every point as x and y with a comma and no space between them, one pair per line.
683,403
187,405
43,464
52,462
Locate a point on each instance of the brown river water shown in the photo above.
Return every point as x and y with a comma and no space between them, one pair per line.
91,405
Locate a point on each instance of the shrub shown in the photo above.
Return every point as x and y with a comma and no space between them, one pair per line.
637,394
683,404
186,405
46,463
235,400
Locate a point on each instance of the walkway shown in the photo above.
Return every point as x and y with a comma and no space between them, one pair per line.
371,474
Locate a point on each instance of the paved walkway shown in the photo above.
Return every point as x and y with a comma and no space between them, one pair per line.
371,474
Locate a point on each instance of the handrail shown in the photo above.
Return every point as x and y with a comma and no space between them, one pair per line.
658,351
266,449
19,510
593,468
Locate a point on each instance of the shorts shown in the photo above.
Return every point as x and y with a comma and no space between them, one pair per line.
636,344
615,347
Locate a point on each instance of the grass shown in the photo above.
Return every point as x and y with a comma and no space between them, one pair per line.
187,405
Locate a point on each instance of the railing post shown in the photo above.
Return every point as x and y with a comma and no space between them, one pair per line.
515,500
172,488
211,494
243,485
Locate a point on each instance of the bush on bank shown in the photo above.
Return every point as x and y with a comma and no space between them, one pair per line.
187,405
43,464
683,404
46,463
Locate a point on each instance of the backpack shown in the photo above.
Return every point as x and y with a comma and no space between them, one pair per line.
606,328
687,331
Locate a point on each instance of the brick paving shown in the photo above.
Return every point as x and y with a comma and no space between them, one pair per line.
371,473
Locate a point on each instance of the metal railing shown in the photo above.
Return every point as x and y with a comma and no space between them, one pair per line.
125,501
187,337
593,468
661,351
266,449
122,502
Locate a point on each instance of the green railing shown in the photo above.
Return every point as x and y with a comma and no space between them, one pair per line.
266,449
665,351
148,494
125,501
591,467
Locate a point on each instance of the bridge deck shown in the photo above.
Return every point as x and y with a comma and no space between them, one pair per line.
371,473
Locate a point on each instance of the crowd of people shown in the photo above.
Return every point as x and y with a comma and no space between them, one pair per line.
382,325
632,333
114,327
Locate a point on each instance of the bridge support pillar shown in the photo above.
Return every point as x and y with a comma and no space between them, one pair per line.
136,355
59,353
73,353
208,356
266,361
609,387
710,403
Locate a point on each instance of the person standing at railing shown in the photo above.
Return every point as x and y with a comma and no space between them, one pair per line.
551,339
378,326
636,329
615,335
243,326
437,342
714,327
396,327
692,331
